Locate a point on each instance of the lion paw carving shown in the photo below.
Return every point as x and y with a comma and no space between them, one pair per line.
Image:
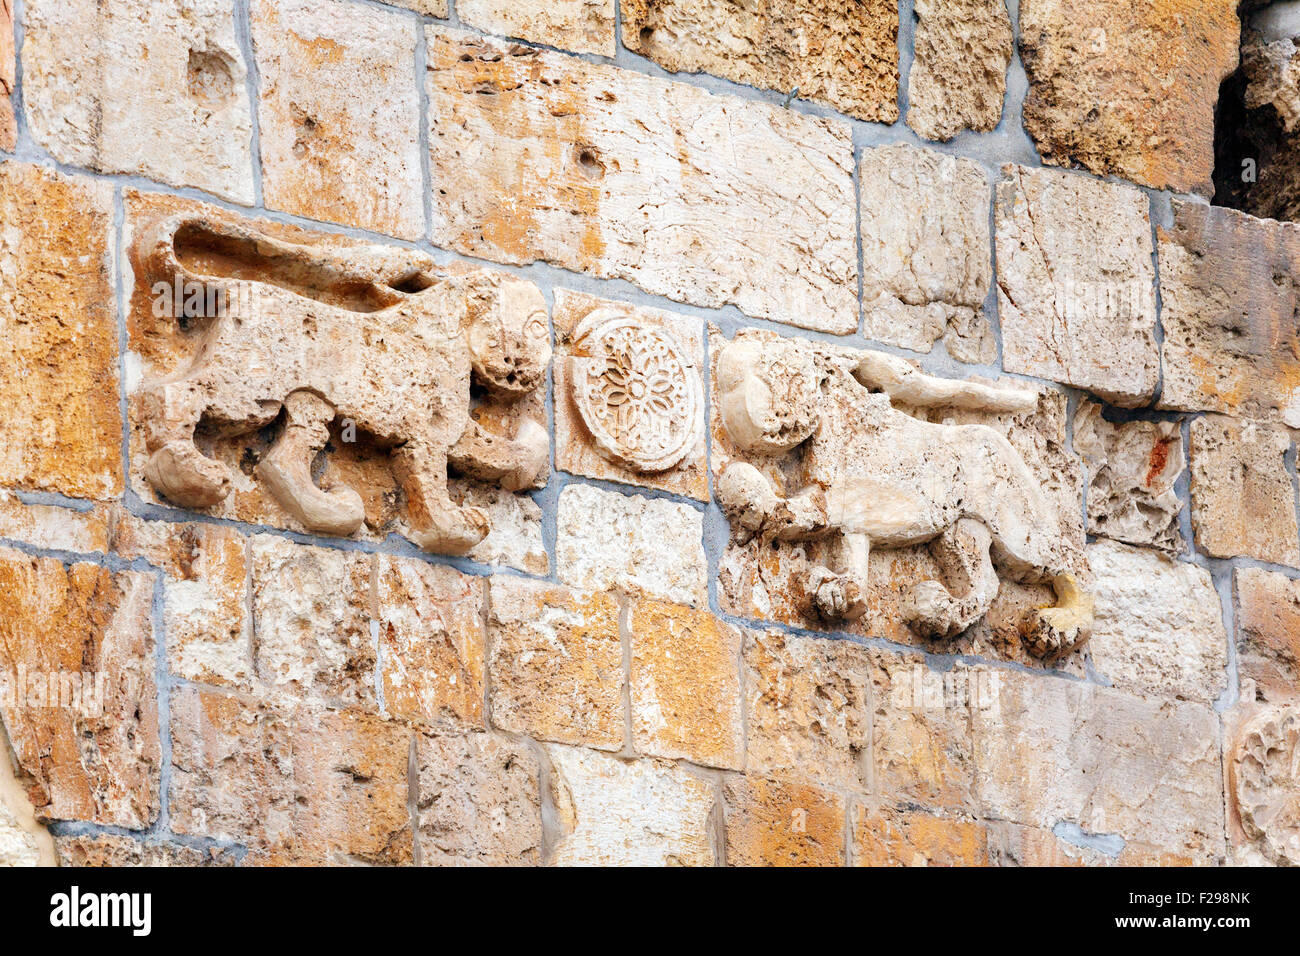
375,336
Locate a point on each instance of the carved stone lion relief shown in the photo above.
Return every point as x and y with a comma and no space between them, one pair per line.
1266,784
634,390
373,335
869,475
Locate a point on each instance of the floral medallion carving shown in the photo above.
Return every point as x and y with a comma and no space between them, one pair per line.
636,392
1266,771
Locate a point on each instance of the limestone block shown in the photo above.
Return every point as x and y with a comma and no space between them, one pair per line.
339,114
583,26
54,527
642,546
1159,625
77,661
156,88
1243,499
629,385
8,78
959,76
685,685
1076,284
1268,632
478,801
807,706
120,851
911,838
432,642
541,156
926,258
1129,89
59,378
843,54
770,823
1132,470
1264,785
629,813
1229,300
555,663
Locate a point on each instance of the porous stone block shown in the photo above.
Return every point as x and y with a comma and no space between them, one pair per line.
913,838
959,75
770,823
1268,632
583,26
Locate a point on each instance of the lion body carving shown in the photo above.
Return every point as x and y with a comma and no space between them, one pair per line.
376,336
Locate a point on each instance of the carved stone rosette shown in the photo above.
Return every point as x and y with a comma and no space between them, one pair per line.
1266,781
635,391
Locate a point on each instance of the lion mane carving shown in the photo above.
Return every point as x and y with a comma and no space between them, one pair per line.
873,475
376,335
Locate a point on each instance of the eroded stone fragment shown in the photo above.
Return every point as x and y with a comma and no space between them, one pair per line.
297,785
629,394
583,26
1076,287
685,685
1268,632
58,377
478,801
538,155
770,823
431,642
77,650
629,813
1128,89
926,261
959,76
1243,499
1159,625
152,87
1228,285
339,114
1264,785
839,52
1132,470
807,709
555,663
642,546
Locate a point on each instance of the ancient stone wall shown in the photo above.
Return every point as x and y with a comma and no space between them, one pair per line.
664,431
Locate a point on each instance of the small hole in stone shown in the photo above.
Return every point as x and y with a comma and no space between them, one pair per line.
211,77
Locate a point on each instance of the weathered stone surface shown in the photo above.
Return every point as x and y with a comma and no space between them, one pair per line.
1268,632
1129,89
77,689
926,257
685,685
55,527
478,802
629,813
1075,283
1229,294
17,846
808,711
1058,752
555,663
1243,499
23,841
339,114
205,595
8,79
59,381
1132,469
643,546
431,8
923,750
583,26
431,642
295,784
839,52
664,404
811,453
154,87
515,536
1159,625
769,823
1264,784
959,77
910,838
364,352
556,164
311,621
119,851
